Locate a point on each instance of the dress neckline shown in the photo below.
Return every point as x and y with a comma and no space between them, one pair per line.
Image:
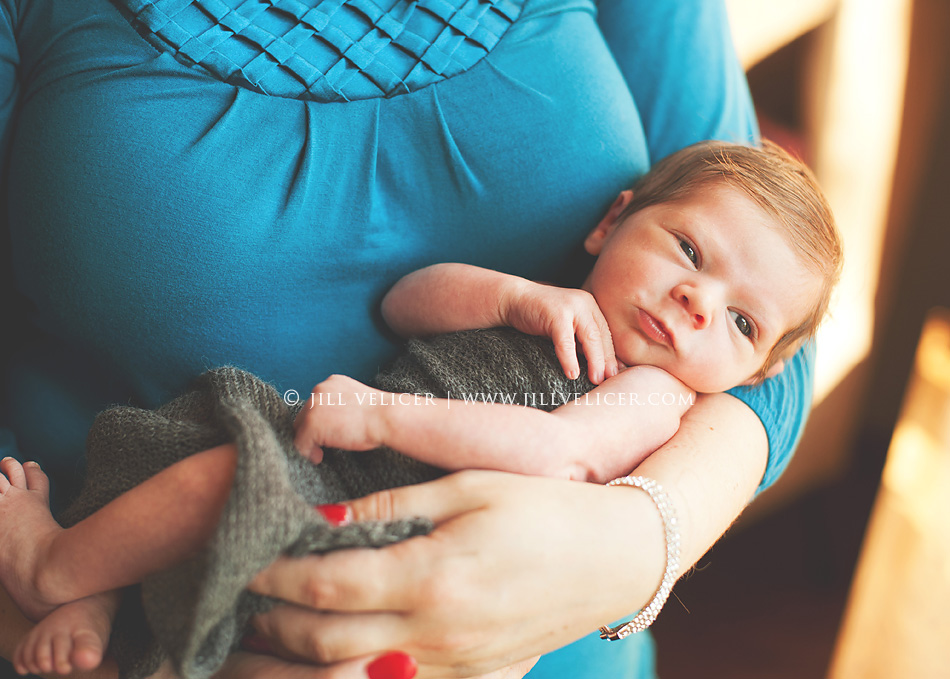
325,50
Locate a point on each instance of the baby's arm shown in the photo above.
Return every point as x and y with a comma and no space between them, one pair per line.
596,437
450,297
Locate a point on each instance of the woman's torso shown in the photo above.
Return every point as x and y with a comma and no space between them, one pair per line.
164,221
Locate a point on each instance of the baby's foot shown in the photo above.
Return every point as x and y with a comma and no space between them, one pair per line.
27,529
72,637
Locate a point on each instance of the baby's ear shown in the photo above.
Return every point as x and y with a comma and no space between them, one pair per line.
758,378
776,368
594,242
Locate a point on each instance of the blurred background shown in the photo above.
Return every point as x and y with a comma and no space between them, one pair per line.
842,569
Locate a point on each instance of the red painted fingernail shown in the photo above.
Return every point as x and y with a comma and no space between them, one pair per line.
393,665
337,515
255,643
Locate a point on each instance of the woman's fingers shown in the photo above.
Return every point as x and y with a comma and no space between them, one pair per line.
364,580
326,638
370,579
384,579
350,580
439,500
308,637
253,666
515,671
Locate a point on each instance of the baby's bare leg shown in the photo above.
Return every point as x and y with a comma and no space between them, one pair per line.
148,529
72,637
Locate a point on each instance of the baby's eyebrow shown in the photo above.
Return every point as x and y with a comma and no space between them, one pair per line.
765,321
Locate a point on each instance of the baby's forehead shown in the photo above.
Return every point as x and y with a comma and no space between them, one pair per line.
754,249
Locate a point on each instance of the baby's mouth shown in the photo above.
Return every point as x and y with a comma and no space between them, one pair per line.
655,330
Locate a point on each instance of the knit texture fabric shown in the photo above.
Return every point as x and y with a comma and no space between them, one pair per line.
196,612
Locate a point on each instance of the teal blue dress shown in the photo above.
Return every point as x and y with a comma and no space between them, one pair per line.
191,183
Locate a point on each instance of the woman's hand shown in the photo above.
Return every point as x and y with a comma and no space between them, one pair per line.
516,567
256,666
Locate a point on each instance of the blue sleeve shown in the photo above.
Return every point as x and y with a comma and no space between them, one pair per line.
9,60
782,404
680,65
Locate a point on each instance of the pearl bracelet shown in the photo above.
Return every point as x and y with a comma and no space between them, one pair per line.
648,614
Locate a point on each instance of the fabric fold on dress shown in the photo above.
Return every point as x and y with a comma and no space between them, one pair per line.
463,176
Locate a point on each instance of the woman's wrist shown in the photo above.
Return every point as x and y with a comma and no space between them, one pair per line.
667,511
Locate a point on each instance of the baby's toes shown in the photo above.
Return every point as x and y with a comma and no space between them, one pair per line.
23,656
13,470
36,478
36,653
62,649
87,650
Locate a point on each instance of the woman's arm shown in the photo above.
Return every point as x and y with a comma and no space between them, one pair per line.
595,436
475,582
565,557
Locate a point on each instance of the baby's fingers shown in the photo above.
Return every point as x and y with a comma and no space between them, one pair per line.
592,341
315,455
565,348
611,364
306,443
305,436
603,340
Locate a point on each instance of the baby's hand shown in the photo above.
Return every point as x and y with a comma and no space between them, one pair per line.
564,314
341,413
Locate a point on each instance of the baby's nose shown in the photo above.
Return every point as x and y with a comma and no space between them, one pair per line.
697,304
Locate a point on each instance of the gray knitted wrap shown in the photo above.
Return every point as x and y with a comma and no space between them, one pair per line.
196,612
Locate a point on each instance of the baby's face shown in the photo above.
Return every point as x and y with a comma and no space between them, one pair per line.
702,287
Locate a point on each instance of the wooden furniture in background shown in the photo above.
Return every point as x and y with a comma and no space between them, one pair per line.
853,61
897,622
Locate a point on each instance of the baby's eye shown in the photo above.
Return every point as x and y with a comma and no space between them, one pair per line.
689,251
742,323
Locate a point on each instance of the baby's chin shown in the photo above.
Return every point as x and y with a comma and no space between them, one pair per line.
703,385
713,388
